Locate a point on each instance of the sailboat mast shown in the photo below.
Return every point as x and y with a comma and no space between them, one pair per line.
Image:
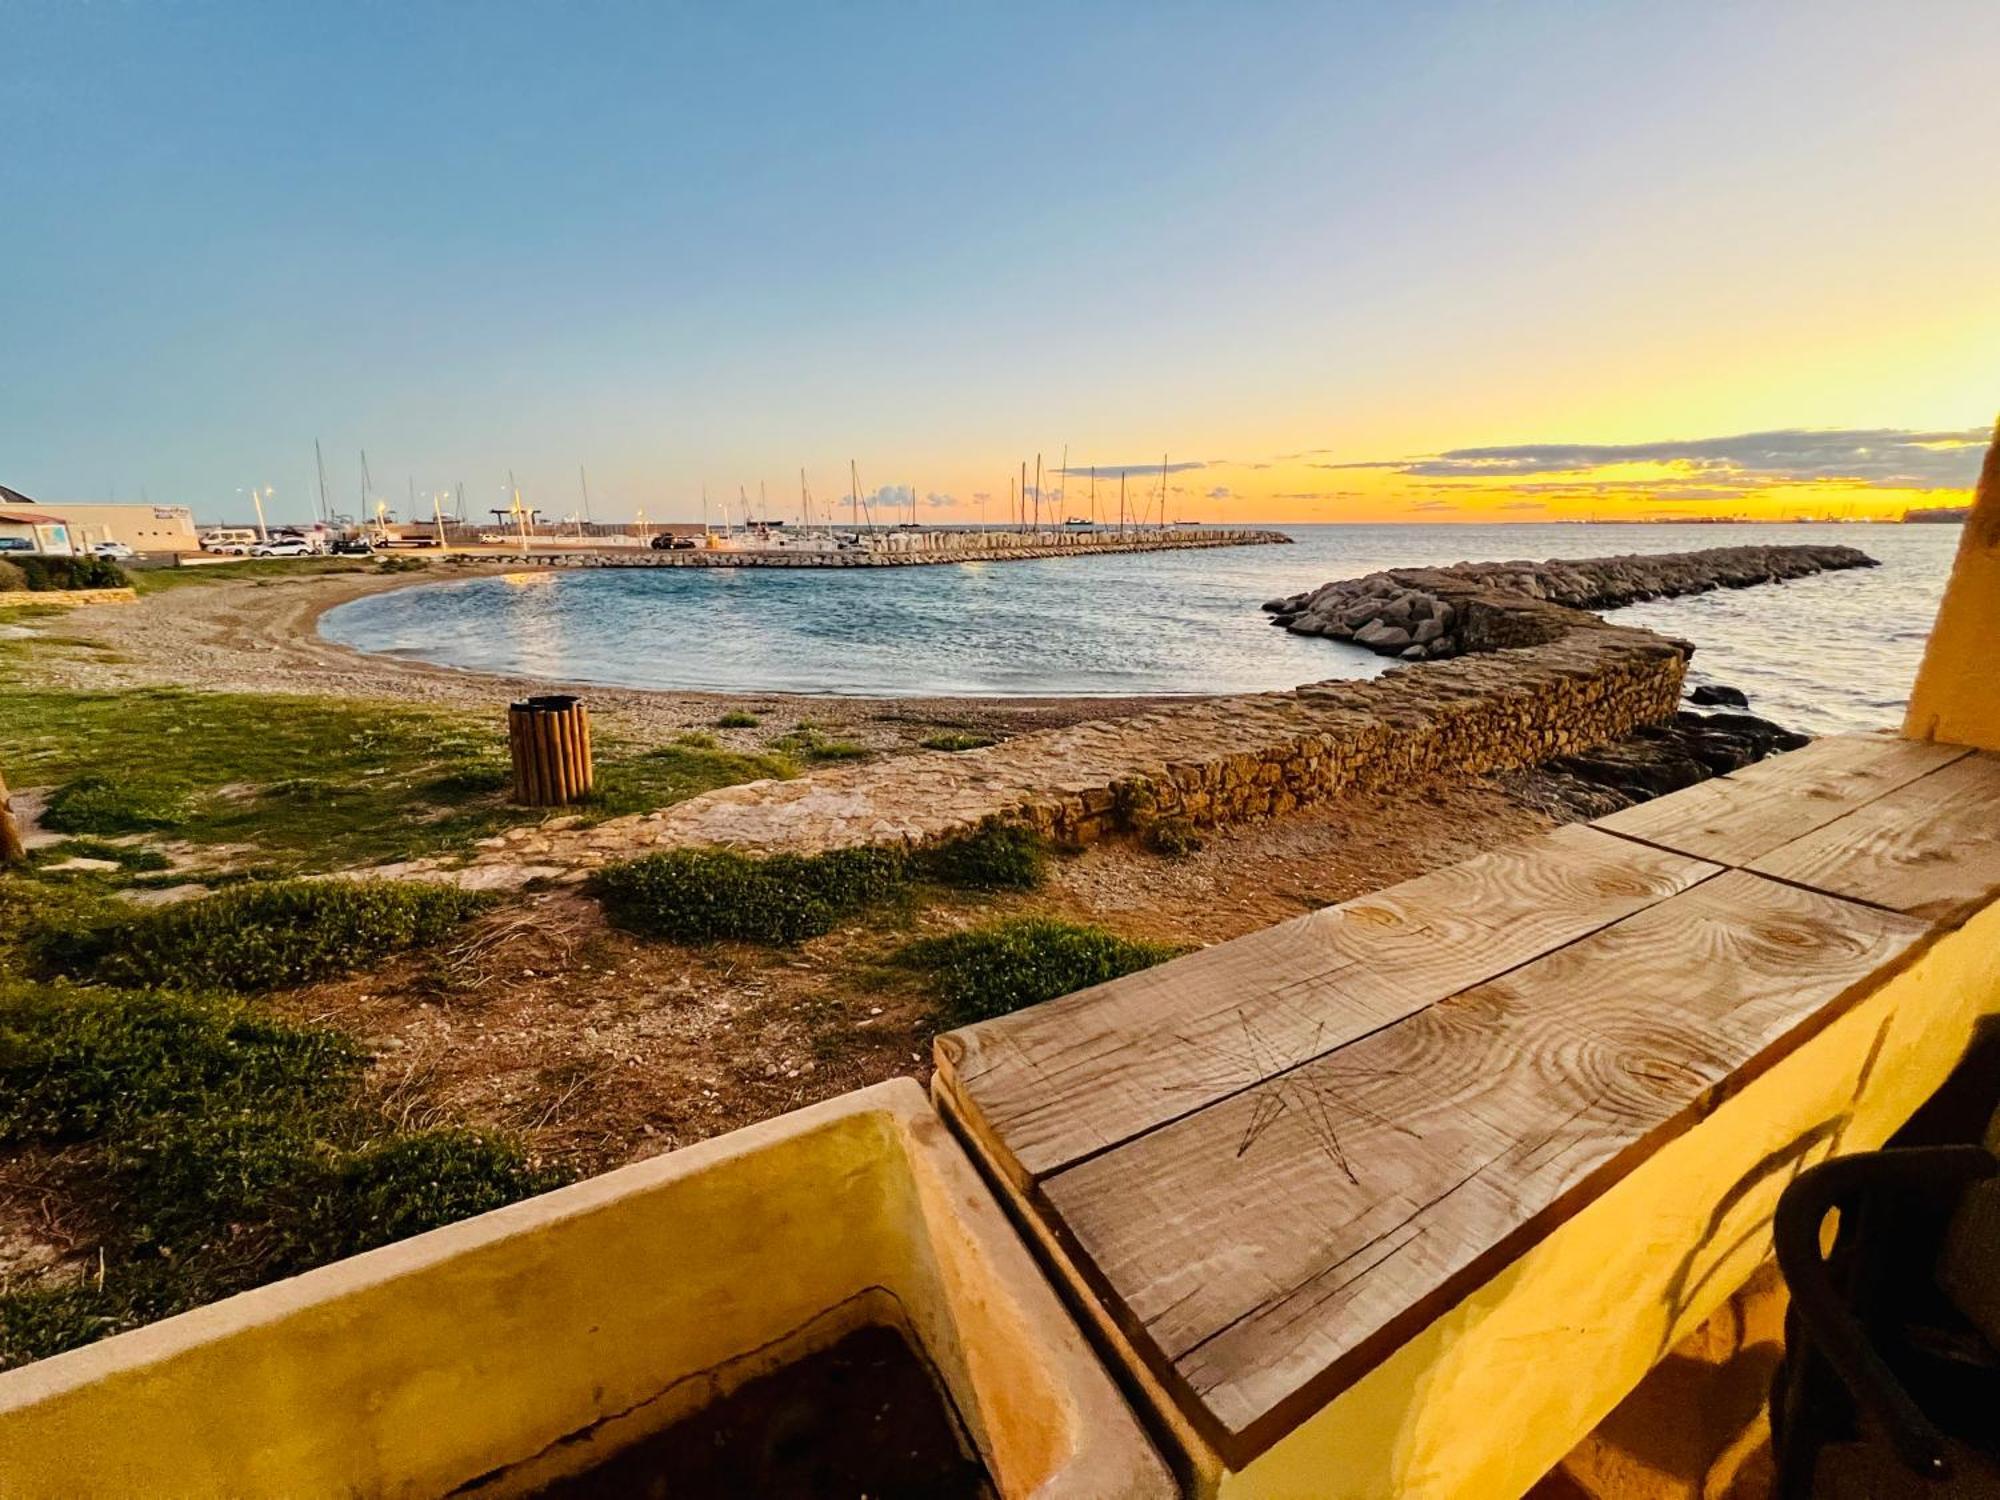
1121,500
1093,494
319,463
583,480
1038,494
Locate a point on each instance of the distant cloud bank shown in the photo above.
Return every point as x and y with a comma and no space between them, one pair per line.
1882,457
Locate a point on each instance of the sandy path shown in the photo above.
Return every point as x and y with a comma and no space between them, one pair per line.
261,635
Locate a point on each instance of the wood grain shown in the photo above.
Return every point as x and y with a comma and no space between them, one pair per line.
1270,1249
1051,1085
1931,849
1736,818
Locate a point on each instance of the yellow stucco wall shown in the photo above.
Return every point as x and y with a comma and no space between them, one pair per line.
1957,694
633,1297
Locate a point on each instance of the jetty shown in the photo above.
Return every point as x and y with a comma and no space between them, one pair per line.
892,549
1423,613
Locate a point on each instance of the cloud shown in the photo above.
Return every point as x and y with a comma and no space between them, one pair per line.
1433,505
937,501
1219,492
1884,457
1112,471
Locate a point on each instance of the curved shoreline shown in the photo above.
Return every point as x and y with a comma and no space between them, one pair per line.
261,635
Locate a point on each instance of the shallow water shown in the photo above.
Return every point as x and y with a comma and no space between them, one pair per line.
1827,653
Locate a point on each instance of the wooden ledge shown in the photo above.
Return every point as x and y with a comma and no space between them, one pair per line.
1270,1167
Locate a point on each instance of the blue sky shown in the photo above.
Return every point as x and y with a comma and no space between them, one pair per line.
711,245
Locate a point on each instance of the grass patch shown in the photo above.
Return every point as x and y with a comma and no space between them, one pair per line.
214,1149
957,739
705,895
806,743
261,569
737,718
997,969
264,936
701,895
993,857
129,858
76,1063
673,773
98,804
315,783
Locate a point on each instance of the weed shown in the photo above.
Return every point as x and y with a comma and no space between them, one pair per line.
54,574
737,718
268,936
419,1180
1175,838
957,739
994,970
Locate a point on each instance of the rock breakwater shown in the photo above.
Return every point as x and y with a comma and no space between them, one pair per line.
1421,614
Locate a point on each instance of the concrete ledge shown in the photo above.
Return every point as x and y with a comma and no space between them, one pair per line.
68,598
518,1345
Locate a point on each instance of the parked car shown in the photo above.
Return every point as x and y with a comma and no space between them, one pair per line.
667,542
233,541
117,551
353,546
16,544
282,546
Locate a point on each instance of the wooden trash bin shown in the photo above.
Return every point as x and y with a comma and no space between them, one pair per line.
550,741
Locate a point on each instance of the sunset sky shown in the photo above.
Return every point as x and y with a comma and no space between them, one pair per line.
1390,262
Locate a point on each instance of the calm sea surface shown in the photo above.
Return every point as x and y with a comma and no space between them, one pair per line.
1832,652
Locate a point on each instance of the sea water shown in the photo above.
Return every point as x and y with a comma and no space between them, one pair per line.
1836,651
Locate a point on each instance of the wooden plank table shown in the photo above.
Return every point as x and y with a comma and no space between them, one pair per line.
1269,1166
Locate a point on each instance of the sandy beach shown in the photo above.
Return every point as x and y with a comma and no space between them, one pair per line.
261,635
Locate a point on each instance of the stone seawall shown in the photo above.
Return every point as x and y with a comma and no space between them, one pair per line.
908,549
1425,613
1206,762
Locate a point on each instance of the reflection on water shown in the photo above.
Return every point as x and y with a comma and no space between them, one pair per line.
1833,652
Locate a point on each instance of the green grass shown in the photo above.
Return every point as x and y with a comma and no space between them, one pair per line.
261,569
701,895
806,743
674,773
737,718
706,895
1000,968
212,1149
76,1063
127,857
957,739
994,857
259,937
314,784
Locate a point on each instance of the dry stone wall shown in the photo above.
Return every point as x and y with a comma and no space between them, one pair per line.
1208,762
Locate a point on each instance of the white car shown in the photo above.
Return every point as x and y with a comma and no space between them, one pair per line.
282,546
115,550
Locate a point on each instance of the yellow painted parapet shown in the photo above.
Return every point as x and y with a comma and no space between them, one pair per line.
1957,694
527,1342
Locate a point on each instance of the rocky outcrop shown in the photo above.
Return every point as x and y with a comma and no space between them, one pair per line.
1421,614
1656,759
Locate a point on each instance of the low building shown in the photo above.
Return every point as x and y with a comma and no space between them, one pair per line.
143,528
27,527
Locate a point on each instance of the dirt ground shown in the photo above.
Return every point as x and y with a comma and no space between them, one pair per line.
602,1048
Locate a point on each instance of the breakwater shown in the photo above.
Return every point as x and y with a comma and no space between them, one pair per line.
906,549
1424,613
